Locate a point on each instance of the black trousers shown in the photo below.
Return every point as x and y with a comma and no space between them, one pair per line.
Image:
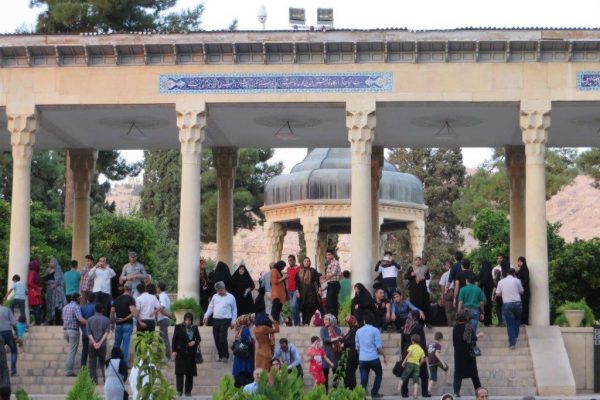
150,325
276,307
351,366
189,383
308,310
487,308
424,375
499,310
333,291
458,382
104,298
220,326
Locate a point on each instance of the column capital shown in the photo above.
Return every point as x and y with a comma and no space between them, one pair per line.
82,162
360,122
535,121
225,160
22,128
191,124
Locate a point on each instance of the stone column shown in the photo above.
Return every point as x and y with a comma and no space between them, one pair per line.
81,164
321,249
535,121
275,234
376,171
22,128
515,166
191,123
360,122
225,160
310,227
416,232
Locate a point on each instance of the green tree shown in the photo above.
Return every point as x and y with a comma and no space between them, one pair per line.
575,274
114,235
442,173
491,229
589,162
162,171
488,187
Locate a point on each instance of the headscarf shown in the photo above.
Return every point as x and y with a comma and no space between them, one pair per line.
34,266
222,273
239,282
411,322
59,277
280,265
485,274
351,321
243,320
364,298
262,319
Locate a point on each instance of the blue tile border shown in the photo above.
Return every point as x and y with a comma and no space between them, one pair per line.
372,82
588,80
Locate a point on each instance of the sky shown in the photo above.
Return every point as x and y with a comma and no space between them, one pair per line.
411,14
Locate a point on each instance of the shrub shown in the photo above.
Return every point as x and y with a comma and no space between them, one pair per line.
345,310
150,360
588,314
189,303
21,394
84,387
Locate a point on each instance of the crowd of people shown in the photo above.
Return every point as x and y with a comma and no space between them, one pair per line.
93,301
398,301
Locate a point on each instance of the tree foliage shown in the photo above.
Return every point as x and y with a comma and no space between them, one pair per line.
104,16
489,187
84,387
589,163
149,349
160,197
575,274
491,229
442,173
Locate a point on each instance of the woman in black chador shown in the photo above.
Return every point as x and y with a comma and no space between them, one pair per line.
362,303
242,286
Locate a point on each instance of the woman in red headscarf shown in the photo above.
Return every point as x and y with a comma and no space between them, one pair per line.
34,290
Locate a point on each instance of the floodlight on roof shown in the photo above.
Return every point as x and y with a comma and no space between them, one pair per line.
325,16
297,16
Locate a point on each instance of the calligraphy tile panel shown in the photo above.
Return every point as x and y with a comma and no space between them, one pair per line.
276,83
588,80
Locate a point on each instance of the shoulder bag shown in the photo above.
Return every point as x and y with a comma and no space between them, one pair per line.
125,393
474,350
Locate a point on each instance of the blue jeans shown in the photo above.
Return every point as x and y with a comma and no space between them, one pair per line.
474,320
512,315
123,334
9,340
18,303
365,367
294,307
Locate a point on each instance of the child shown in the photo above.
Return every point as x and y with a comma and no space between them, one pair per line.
412,363
434,359
20,295
316,319
21,328
316,354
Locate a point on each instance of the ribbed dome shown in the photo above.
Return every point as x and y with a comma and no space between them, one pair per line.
326,174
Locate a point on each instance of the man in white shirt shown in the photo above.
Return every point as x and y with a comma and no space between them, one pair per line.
447,294
511,289
102,273
253,387
223,310
163,317
148,306
389,270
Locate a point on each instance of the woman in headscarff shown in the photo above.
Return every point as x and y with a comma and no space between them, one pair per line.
417,276
349,345
34,290
307,283
278,293
523,275
486,283
266,328
221,274
362,303
243,364
242,286
465,366
55,292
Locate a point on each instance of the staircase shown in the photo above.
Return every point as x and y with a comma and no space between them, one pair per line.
503,371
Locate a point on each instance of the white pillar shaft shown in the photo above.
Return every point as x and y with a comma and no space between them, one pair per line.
191,124
225,161
535,122
22,128
360,122
515,165
82,164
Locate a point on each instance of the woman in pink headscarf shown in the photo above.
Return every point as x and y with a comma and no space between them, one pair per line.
34,290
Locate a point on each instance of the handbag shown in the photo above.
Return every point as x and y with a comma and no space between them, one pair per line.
474,350
198,356
125,393
397,370
240,349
